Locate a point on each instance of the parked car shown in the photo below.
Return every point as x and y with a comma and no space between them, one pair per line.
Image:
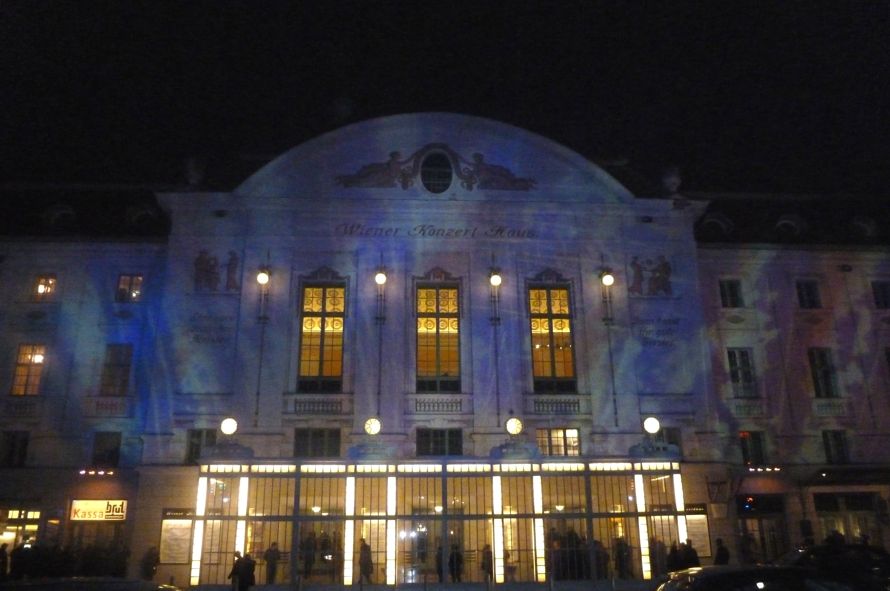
759,578
854,561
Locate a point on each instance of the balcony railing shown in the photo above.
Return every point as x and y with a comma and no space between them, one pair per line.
322,404
439,404
748,407
554,404
107,406
23,406
830,407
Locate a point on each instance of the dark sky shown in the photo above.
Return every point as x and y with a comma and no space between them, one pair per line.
744,96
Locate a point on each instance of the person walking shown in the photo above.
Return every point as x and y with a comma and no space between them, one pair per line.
487,564
4,562
455,564
272,555
236,571
308,550
246,570
365,563
721,556
690,556
440,563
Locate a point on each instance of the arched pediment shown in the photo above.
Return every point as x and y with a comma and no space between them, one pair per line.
391,158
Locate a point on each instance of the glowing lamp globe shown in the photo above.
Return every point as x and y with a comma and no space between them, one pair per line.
495,279
514,426
228,426
262,277
372,426
651,425
380,278
608,279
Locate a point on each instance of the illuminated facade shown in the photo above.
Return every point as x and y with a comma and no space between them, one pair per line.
373,307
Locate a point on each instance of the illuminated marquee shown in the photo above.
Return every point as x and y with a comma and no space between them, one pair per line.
98,510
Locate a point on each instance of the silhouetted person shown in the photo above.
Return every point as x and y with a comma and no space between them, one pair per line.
721,556
236,571
487,564
149,564
690,556
455,564
440,561
4,561
246,573
308,550
272,555
365,562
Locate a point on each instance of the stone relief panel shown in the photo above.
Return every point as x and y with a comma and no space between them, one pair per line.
212,276
472,173
650,277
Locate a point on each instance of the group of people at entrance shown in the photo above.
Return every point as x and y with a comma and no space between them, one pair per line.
243,573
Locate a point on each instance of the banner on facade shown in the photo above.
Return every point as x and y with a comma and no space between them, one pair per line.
98,510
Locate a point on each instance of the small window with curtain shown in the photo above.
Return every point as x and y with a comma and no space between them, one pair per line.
317,443
741,372
881,293
14,449
44,288
116,370
29,366
553,357
321,338
438,338
835,443
558,442
808,296
440,442
129,289
823,373
106,449
198,442
731,293
753,448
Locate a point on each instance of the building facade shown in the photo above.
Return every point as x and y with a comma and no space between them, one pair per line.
373,307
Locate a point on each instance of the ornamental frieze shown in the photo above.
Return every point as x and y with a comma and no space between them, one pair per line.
472,173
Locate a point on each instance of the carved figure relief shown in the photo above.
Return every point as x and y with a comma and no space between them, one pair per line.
475,173
207,272
650,278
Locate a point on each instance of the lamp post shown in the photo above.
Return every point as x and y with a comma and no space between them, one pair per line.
380,280
495,280
263,279
607,280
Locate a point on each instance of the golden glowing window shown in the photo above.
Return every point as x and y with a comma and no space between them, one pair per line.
438,339
44,287
28,370
321,339
553,361
558,442
129,289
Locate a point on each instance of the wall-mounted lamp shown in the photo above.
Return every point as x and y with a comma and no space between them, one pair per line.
513,426
651,425
228,426
263,277
373,426
380,280
495,280
607,279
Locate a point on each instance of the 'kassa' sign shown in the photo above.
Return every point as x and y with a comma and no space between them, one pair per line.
98,510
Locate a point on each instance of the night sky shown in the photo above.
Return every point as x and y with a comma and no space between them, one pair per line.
742,96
